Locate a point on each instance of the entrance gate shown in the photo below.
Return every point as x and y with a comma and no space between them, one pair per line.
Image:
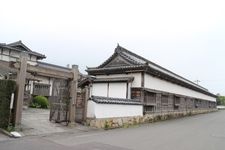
59,101
64,91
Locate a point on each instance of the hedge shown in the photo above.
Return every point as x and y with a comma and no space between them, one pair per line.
7,87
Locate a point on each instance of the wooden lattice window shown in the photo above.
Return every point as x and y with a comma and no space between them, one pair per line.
164,99
197,103
135,94
176,102
150,98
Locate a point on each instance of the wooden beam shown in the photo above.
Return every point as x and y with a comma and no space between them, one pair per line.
47,72
142,79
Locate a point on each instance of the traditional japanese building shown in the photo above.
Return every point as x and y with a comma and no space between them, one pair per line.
36,84
126,78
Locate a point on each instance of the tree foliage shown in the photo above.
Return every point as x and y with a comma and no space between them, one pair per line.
220,100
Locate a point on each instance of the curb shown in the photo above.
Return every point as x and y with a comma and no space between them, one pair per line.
6,132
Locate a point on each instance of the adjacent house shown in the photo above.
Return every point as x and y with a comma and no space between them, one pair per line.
127,84
36,84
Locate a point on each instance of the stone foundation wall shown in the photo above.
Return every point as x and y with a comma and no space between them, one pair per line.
111,123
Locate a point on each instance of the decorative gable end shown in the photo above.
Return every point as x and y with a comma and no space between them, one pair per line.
117,62
20,48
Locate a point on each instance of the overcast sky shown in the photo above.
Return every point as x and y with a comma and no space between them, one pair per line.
185,36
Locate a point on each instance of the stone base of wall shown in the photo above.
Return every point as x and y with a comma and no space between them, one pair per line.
111,123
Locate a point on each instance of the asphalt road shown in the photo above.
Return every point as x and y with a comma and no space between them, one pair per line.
201,132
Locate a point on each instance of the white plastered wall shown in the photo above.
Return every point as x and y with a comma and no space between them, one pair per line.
99,89
118,90
162,85
113,110
135,83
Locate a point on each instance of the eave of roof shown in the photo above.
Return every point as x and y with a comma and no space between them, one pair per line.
48,65
115,79
89,80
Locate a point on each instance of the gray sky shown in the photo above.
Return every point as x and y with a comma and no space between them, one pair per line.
187,37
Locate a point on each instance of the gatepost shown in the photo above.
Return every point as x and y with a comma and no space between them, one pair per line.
73,95
20,83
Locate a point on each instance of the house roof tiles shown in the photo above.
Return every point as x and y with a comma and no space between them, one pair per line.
110,100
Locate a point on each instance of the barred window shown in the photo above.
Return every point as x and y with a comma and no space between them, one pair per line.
150,97
164,99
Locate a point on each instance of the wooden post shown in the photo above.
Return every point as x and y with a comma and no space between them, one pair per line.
73,95
21,78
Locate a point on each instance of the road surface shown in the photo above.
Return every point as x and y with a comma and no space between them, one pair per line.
201,132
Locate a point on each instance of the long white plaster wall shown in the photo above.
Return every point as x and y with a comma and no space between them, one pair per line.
113,110
162,85
135,83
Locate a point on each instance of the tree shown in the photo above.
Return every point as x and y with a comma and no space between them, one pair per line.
220,100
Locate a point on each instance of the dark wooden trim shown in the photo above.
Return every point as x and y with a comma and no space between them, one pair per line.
127,90
107,89
142,79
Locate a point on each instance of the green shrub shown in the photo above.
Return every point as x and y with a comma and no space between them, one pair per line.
40,102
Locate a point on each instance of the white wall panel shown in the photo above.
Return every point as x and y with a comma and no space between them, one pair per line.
100,89
113,110
162,85
118,90
91,109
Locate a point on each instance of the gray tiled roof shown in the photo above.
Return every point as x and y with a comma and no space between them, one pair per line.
137,60
91,79
115,79
53,66
19,46
110,100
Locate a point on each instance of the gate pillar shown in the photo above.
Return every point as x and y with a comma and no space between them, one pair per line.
73,95
21,79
